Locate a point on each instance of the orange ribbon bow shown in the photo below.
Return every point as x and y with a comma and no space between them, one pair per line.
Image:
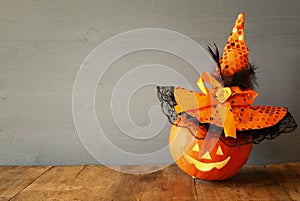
218,96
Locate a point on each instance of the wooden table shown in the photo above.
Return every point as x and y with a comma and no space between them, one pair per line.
93,182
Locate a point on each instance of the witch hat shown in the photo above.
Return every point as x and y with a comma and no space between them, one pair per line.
221,119
235,54
227,105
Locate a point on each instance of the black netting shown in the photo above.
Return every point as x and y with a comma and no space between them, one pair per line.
167,99
286,125
166,96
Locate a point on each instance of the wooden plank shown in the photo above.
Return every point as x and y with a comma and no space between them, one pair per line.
288,175
167,184
4,168
51,184
102,183
273,182
93,183
215,190
254,182
15,179
71,183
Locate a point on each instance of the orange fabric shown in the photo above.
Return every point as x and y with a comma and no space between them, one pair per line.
205,103
246,117
188,100
235,54
223,106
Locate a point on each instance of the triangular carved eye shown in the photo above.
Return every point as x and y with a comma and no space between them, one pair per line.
219,151
196,148
206,155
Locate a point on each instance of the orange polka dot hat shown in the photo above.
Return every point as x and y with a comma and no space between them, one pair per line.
226,105
235,55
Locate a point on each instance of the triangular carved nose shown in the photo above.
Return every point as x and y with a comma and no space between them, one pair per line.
206,155
219,151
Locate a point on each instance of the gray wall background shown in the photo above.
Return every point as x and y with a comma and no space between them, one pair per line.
43,43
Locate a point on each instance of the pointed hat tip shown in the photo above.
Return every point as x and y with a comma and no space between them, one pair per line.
239,23
241,15
235,54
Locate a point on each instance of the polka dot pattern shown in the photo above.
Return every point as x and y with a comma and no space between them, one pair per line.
246,117
235,54
257,117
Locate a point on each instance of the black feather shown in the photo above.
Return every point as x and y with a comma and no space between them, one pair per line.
252,72
245,79
214,52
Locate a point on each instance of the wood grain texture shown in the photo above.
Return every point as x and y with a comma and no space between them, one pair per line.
288,176
278,182
102,183
15,179
215,190
255,183
168,184
54,183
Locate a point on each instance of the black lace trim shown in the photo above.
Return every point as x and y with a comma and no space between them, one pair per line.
285,125
255,136
166,96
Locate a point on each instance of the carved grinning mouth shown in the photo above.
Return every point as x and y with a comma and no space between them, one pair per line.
205,167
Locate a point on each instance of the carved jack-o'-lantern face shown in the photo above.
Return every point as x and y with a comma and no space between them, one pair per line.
203,160
208,159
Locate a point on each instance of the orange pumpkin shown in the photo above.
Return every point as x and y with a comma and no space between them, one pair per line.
208,158
203,152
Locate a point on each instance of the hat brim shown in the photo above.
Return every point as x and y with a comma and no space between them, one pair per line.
253,123
246,117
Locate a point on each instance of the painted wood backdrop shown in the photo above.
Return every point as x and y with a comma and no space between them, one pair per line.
43,44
